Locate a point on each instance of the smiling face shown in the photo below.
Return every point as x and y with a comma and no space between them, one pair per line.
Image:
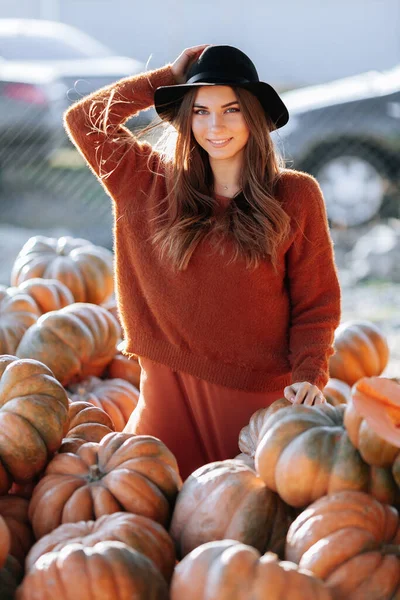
218,125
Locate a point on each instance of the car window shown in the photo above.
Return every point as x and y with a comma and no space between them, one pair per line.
26,48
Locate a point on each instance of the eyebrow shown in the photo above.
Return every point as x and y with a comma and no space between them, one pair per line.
223,106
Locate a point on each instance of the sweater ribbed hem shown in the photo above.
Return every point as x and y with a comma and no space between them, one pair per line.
225,374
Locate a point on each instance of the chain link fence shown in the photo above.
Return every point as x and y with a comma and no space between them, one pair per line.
353,149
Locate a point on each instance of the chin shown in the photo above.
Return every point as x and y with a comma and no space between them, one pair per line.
224,154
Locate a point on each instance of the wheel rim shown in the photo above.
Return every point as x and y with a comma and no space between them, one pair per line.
353,190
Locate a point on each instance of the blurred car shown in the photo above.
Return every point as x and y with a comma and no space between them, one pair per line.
44,67
347,134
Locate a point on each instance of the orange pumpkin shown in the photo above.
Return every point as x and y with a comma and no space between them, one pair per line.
87,423
343,539
361,350
337,392
250,434
348,520
17,313
48,294
111,305
117,397
106,570
14,511
124,367
377,399
305,453
372,395
142,534
74,342
374,575
87,270
33,413
229,570
136,473
226,499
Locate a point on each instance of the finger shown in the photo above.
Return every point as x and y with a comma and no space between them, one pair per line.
195,50
320,399
314,396
309,399
187,58
199,47
289,393
301,394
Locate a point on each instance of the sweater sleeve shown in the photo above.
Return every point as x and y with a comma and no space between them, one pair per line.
314,289
95,126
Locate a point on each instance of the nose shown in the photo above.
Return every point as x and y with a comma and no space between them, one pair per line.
216,121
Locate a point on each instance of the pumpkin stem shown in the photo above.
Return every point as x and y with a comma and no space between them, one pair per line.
391,549
95,473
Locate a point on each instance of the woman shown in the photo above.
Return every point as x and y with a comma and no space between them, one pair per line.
225,277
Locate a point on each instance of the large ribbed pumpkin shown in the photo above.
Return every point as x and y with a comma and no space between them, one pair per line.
226,499
108,570
74,342
229,570
373,575
138,532
117,397
361,350
86,269
33,414
347,539
347,520
368,415
250,433
305,453
17,313
48,294
136,473
14,511
87,423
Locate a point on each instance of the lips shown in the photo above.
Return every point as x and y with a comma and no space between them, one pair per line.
220,143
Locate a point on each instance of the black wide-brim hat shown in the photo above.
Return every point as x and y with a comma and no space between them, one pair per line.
222,65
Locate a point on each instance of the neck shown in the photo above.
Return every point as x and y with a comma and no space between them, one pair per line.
227,175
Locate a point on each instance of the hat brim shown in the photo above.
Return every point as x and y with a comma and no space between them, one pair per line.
168,98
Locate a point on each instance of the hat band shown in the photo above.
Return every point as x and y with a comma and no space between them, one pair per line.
210,77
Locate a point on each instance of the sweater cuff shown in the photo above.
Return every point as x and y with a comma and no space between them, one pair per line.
161,77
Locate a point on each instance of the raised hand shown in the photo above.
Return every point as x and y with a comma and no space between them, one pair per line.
181,65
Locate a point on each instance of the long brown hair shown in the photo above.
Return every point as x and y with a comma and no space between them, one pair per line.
254,220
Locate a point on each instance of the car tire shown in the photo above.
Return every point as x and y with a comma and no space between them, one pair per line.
354,184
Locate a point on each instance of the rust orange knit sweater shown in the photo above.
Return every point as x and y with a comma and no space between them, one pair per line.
252,330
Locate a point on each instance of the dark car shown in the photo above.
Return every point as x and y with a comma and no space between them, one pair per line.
347,134
44,67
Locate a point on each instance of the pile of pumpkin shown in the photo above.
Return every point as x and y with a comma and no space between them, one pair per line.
308,510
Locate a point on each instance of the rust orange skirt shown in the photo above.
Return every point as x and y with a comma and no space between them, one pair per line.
198,421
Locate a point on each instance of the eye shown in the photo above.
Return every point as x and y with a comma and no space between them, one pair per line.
232,108
200,111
